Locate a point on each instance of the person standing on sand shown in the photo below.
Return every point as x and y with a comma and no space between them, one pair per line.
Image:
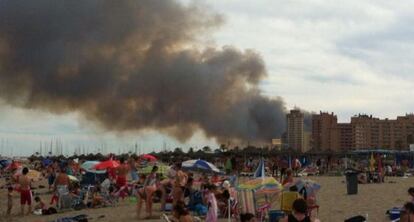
165,184
132,162
121,172
9,200
51,175
289,177
179,184
150,186
25,192
61,187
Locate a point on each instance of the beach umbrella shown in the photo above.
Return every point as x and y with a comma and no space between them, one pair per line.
32,174
46,162
109,164
5,163
162,169
14,165
89,166
264,185
200,165
309,185
73,178
149,157
260,171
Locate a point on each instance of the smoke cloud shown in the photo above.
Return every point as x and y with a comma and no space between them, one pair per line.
134,65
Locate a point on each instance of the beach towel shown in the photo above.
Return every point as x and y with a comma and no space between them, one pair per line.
246,198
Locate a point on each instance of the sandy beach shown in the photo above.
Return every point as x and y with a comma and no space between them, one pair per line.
335,204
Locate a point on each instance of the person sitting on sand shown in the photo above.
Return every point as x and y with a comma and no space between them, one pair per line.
289,177
97,199
247,217
40,205
408,213
411,193
299,213
25,192
180,214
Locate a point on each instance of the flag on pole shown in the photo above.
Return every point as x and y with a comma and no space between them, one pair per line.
260,171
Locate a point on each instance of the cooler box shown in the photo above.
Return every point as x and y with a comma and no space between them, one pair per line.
276,215
394,213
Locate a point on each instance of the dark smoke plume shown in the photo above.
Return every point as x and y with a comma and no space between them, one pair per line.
133,65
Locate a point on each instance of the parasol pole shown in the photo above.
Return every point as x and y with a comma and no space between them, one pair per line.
229,210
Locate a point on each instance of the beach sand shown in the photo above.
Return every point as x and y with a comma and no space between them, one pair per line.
335,204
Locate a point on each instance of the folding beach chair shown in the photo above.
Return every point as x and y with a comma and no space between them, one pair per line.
287,199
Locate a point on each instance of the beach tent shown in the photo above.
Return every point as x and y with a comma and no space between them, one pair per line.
200,165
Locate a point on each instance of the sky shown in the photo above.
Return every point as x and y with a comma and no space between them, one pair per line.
346,57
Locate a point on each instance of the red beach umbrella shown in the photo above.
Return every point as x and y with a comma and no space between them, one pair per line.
14,165
107,165
149,157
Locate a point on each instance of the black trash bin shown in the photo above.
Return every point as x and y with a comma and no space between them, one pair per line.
351,181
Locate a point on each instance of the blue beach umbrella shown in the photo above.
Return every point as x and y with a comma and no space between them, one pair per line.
200,165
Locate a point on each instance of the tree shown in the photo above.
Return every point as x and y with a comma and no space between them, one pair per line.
178,150
223,148
191,150
206,149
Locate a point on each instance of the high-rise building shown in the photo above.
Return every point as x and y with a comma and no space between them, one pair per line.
363,132
325,132
369,132
294,131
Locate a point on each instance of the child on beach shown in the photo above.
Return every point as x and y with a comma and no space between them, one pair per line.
9,200
212,212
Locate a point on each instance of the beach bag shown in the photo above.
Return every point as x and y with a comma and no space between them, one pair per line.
356,219
79,206
201,209
394,213
49,211
80,218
